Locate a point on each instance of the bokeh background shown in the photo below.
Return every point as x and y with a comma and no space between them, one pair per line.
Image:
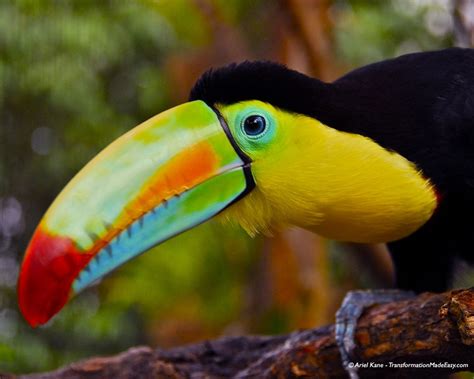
74,75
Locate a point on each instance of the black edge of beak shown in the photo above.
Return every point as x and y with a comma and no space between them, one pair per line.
245,158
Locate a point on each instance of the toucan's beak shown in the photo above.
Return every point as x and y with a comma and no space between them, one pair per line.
165,176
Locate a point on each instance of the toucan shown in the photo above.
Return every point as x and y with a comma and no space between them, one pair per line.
384,154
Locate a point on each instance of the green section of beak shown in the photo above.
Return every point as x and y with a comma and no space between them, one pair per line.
160,158
167,175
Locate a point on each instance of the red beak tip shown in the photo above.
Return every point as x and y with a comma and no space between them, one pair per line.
34,308
49,268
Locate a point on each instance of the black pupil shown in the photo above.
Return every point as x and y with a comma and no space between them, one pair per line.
254,125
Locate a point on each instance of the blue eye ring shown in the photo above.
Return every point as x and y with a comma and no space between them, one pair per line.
254,126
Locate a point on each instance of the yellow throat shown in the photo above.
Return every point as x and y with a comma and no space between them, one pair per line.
343,186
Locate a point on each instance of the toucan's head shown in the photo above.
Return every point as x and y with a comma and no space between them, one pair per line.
247,145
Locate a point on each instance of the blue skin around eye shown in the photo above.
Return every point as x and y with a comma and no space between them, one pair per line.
249,141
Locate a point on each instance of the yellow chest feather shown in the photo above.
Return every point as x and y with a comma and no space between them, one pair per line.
343,186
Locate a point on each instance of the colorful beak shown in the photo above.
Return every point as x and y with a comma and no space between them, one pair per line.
165,176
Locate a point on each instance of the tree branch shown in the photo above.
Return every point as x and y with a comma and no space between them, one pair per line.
434,328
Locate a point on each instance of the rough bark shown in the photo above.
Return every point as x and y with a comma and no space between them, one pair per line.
429,328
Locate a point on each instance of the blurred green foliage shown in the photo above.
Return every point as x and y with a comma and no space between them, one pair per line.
368,31
74,75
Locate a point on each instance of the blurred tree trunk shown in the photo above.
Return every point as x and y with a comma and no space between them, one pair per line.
311,24
463,17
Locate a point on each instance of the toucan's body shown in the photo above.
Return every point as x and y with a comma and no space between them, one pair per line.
384,154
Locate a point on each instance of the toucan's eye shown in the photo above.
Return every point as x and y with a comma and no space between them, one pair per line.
254,125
